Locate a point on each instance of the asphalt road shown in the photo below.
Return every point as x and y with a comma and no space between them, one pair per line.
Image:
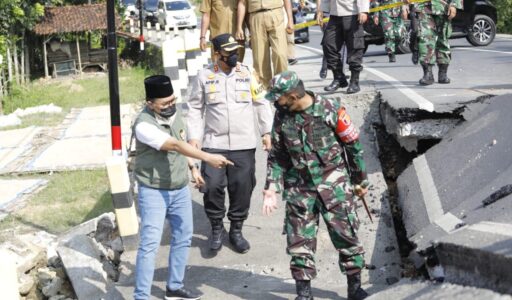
474,71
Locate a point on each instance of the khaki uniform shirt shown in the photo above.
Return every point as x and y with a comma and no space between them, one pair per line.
223,109
257,5
222,15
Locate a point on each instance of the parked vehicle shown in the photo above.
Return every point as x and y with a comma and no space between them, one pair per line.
130,9
299,16
176,13
476,22
150,11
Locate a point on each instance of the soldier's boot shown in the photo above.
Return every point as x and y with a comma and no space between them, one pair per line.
303,288
354,290
428,76
415,56
218,233
323,73
392,57
354,83
339,81
236,238
443,76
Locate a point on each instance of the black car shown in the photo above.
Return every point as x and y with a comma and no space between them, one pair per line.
476,22
150,11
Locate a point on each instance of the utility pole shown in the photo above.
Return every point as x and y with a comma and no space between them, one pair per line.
141,27
117,170
113,81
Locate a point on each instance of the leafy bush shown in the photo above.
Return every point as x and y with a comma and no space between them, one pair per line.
504,8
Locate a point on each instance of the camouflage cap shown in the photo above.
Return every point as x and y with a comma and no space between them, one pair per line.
281,84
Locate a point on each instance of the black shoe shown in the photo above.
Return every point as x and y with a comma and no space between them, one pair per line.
292,61
354,83
354,290
392,57
415,57
303,288
236,238
443,76
428,76
339,81
218,234
180,294
323,73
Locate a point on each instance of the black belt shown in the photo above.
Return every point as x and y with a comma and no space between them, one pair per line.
264,9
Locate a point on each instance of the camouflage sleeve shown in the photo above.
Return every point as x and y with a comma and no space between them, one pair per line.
353,150
278,162
456,3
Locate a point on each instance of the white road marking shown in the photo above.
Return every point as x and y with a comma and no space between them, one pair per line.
314,30
448,222
482,50
493,227
428,189
421,101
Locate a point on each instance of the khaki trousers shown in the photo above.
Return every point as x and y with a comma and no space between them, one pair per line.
291,45
268,31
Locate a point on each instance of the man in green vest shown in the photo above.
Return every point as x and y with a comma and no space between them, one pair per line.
163,193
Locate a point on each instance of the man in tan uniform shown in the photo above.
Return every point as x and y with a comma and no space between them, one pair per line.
219,16
268,30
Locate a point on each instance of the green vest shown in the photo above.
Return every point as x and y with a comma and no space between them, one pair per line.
157,168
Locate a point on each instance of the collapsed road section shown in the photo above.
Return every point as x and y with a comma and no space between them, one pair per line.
455,195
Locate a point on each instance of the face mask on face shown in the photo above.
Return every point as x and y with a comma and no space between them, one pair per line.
279,108
230,60
168,111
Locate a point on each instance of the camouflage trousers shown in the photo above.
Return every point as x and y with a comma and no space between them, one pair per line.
301,228
434,32
394,30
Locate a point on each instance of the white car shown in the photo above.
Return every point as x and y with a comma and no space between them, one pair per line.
176,13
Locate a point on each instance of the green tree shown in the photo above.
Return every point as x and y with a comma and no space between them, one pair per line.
504,8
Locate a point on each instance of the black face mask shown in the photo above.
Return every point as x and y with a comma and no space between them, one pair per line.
230,60
168,111
279,108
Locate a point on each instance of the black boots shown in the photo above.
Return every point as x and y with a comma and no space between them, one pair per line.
339,81
392,57
323,73
354,83
443,78
218,233
236,238
303,288
354,290
428,76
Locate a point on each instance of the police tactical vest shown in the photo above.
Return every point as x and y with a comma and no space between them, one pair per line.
161,169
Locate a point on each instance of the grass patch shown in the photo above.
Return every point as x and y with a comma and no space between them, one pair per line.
70,198
71,92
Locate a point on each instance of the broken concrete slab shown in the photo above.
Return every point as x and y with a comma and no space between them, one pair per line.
411,125
425,290
82,262
480,254
450,180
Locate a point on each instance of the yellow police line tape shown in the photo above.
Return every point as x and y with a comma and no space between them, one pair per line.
376,9
314,22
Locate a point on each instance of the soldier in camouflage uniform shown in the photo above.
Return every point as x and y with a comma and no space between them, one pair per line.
435,29
306,164
392,25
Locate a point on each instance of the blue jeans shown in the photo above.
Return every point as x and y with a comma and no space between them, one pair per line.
154,207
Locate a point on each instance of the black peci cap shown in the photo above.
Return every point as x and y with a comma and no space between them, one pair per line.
158,86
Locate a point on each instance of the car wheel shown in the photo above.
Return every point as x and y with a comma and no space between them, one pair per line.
404,46
482,32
